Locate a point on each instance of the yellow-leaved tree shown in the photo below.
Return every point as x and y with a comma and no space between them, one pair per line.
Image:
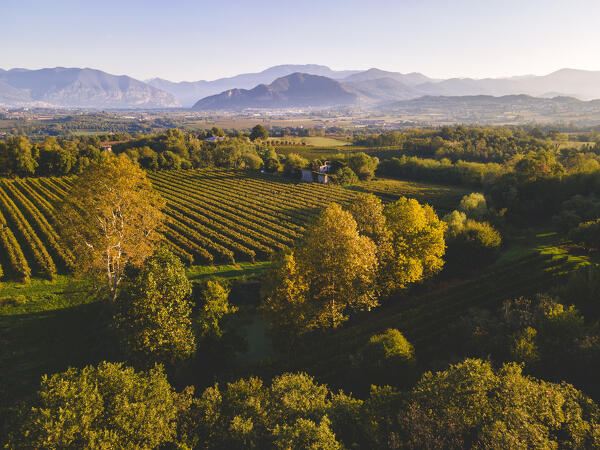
331,272
417,239
110,217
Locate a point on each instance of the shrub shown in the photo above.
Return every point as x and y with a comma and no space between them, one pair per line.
587,234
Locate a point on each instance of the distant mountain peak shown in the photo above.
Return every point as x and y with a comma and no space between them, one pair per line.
296,90
80,88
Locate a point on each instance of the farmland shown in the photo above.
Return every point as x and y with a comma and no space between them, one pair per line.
213,216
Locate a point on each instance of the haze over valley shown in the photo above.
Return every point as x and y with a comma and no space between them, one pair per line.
278,87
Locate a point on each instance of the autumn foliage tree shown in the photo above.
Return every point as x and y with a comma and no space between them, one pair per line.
109,218
330,273
417,241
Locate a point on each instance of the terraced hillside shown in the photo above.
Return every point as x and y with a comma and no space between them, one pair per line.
213,216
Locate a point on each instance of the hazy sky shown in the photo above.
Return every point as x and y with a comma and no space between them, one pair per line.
204,39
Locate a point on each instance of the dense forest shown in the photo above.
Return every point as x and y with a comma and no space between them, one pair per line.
387,319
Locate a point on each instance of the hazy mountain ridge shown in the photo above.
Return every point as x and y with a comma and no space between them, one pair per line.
82,88
297,90
376,87
189,92
89,88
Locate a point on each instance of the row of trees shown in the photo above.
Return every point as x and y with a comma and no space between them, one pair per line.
468,405
475,144
171,149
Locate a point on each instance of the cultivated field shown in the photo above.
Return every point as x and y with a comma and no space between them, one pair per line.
213,216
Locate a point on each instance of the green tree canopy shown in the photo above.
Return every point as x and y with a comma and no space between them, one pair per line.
471,405
153,311
16,156
214,305
336,270
417,236
294,163
259,132
109,406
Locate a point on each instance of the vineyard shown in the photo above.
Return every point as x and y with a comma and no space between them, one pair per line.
213,216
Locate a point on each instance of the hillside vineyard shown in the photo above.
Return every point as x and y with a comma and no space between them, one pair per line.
213,216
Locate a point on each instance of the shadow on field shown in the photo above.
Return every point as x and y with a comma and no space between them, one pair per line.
34,344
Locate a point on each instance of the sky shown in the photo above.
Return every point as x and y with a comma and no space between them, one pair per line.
204,39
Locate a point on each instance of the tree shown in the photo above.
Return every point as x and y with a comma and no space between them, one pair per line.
248,414
363,165
54,160
259,132
367,210
331,272
110,217
587,234
285,299
294,163
340,267
474,206
417,237
387,359
153,311
270,159
306,434
109,406
216,131
16,156
471,405
214,306
470,243
388,349
345,176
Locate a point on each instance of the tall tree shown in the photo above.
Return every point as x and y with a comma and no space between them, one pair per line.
259,132
336,274
110,217
285,294
153,311
214,306
417,236
16,156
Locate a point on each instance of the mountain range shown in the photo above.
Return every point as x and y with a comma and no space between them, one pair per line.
82,88
284,86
